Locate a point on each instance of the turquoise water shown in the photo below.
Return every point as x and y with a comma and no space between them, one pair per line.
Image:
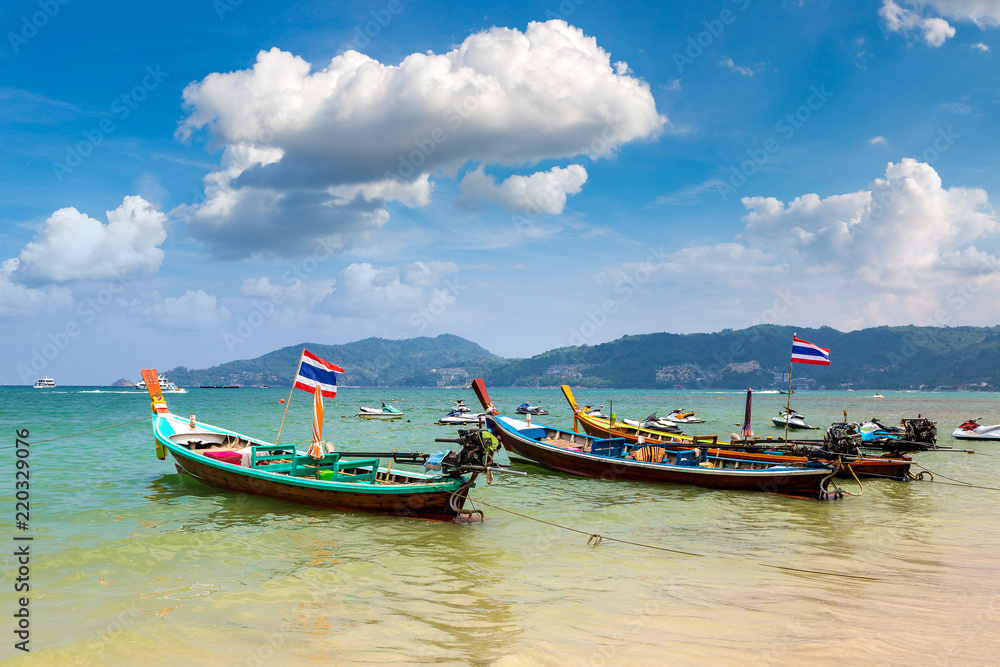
132,563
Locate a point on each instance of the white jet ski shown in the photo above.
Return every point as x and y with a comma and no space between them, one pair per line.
973,430
681,417
793,419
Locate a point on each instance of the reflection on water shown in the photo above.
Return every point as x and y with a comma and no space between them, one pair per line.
136,563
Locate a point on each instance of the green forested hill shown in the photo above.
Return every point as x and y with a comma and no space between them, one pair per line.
880,358
368,362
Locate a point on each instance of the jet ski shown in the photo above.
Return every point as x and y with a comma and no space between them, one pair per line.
594,412
528,409
385,412
459,418
681,417
793,419
973,430
875,430
460,406
654,423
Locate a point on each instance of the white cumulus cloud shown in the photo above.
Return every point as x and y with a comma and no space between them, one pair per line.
292,290
541,192
17,300
934,30
903,251
193,310
315,153
984,13
72,246
924,17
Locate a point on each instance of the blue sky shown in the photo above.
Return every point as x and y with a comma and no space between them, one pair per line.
195,182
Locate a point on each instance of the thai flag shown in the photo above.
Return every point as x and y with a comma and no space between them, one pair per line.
804,352
315,373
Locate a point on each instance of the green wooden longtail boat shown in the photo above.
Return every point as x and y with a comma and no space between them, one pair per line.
228,460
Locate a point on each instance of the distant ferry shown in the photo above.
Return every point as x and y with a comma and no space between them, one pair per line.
166,386
45,383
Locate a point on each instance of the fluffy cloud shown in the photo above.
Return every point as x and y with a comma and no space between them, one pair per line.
901,252
297,290
541,192
906,233
365,290
192,310
935,30
72,246
17,300
314,155
984,13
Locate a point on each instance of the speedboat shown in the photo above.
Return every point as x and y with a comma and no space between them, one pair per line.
459,418
45,383
792,418
681,417
528,409
166,386
385,412
973,430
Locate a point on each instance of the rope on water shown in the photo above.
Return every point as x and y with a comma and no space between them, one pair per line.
955,482
74,435
595,539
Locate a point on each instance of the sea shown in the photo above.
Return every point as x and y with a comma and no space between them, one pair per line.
132,563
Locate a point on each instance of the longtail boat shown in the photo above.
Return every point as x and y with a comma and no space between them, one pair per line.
773,451
614,458
228,460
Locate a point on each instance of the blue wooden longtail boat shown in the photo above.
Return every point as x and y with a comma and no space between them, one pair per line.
228,460
890,466
614,458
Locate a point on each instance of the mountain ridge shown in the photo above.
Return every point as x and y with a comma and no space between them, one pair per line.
900,357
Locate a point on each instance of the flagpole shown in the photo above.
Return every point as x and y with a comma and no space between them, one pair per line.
788,404
290,391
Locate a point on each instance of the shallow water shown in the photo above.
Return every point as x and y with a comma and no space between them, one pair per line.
133,563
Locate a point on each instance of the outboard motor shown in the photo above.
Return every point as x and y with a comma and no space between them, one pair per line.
476,455
843,438
920,430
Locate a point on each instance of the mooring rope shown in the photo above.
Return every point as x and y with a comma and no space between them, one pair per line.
955,482
75,435
596,538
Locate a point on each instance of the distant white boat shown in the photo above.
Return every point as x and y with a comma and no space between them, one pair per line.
45,383
166,386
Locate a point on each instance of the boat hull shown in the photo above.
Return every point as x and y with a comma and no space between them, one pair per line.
803,482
